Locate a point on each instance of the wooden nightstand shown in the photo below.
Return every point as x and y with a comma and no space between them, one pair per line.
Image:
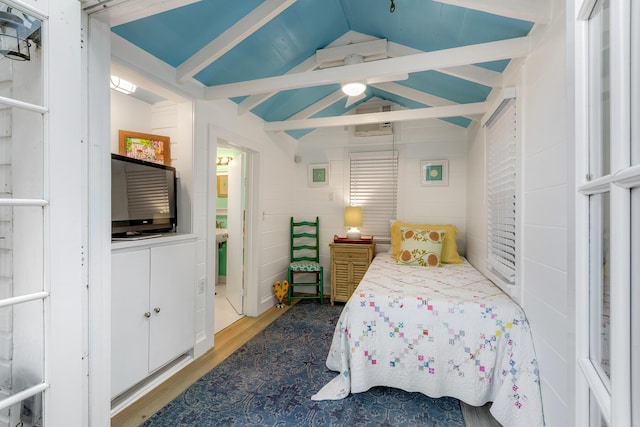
349,262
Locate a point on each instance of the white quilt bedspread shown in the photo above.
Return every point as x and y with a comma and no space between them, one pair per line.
440,331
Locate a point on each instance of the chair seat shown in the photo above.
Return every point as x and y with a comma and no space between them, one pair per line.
311,266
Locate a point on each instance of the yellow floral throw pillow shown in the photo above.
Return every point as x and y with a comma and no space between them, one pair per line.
449,246
420,247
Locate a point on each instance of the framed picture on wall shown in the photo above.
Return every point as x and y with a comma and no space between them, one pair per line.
318,174
145,146
434,172
223,185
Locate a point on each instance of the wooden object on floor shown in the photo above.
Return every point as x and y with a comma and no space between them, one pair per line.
349,262
226,342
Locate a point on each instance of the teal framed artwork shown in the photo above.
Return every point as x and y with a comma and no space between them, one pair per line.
318,174
434,172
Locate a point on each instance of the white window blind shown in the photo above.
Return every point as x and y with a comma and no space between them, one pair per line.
373,187
501,193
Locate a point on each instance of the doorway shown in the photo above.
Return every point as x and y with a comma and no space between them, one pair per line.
230,235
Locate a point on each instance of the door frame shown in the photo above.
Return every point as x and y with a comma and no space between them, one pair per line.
252,239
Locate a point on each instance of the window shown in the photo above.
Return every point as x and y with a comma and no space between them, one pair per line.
606,212
373,187
23,220
501,192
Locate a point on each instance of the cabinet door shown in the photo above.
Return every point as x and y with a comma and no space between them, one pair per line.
129,326
172,297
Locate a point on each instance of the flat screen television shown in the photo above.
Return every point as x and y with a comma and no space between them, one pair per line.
143,197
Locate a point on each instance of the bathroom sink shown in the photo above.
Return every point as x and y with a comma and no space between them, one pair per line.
221,235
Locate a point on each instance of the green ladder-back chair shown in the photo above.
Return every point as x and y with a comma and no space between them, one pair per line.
305,259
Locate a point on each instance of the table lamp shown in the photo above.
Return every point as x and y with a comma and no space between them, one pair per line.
353,220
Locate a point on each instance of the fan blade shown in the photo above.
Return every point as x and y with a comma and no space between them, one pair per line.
353,99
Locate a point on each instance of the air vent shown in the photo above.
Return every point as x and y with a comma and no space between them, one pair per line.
374,129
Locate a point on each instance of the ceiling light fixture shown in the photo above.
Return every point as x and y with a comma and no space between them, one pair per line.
13,36
223,161
122,85
393,7
356,87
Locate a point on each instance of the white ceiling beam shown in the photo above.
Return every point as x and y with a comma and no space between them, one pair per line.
391,116
475,74
308,64
467,71
492,51
118,12
151,68
414,94
226,41
319,106
537,11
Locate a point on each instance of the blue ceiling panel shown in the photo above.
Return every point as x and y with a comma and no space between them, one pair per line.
428,25
177,34
286,41
497,66
410,104
297,134
458,121
287,103
449,87
336,109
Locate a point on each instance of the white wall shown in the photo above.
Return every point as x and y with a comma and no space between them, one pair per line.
128,113
476,199
414,141
547,296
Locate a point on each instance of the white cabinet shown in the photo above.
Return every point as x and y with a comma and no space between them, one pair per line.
153,309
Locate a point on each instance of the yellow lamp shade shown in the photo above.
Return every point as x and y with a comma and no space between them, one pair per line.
353,216
353,219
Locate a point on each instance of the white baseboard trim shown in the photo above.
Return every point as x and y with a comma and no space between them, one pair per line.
148,384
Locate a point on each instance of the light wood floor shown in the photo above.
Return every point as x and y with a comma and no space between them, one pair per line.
227,341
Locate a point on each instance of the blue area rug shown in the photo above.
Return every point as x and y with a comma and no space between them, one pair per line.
270,380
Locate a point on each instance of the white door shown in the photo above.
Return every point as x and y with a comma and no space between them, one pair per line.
171,302
235,228
130,328
607,203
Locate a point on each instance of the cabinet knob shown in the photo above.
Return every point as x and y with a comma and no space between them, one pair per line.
157,310
147,314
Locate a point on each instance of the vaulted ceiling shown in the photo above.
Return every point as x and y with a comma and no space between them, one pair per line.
284,60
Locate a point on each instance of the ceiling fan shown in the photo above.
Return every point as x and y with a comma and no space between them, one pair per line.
357,53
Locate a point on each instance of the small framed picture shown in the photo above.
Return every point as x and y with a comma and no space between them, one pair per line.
434,172
223,185
145,146
318,174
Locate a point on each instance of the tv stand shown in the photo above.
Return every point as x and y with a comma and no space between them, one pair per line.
153,292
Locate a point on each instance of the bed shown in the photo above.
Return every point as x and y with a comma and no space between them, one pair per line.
441,331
